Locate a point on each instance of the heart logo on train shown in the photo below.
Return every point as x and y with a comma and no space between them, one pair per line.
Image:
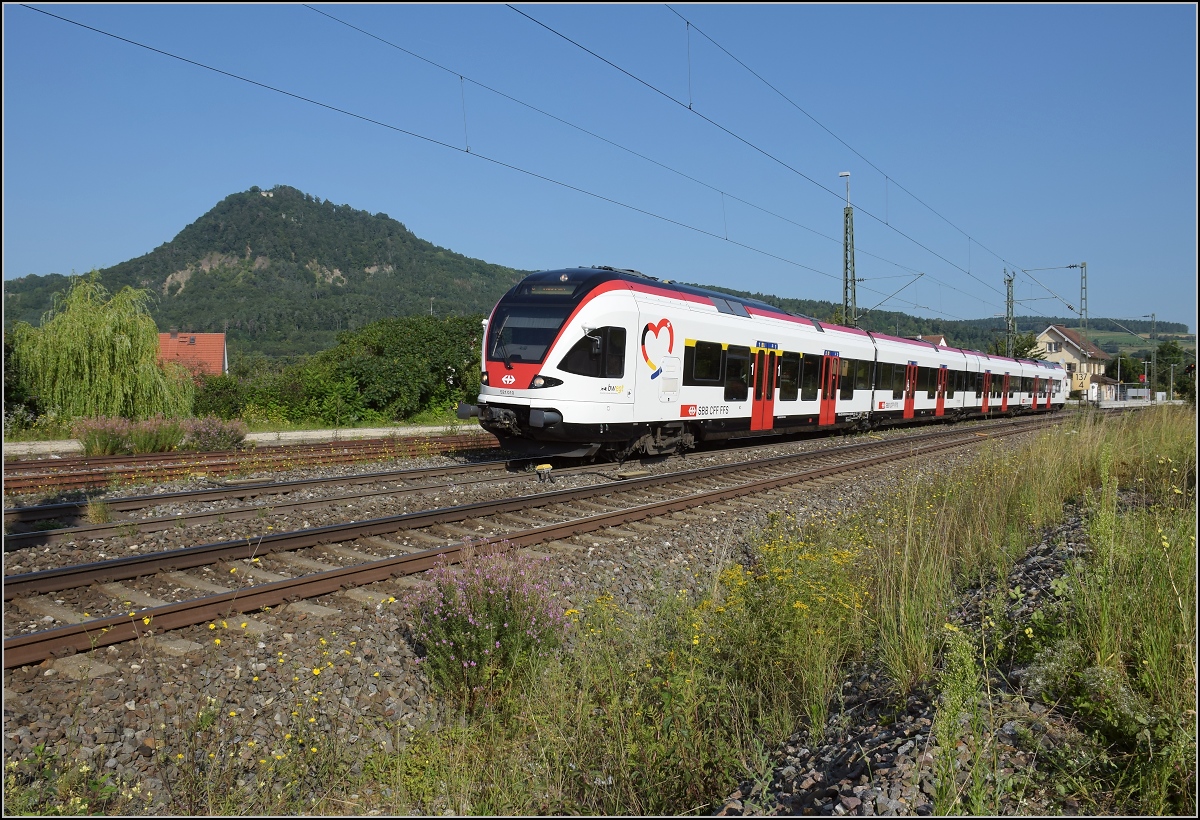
655,330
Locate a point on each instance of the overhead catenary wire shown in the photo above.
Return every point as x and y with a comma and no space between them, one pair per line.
751,145
723,193
442,144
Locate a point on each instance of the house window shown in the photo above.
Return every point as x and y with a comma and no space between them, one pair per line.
1070,367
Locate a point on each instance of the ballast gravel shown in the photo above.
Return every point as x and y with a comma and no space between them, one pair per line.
342,660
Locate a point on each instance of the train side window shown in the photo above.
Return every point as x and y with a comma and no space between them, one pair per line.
702,363
810,378
737,373
599,354
846,382
862,375
789,377
614,352
952,382
898,378
978,385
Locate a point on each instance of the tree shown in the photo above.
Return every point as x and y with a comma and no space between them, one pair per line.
1025,346
96,354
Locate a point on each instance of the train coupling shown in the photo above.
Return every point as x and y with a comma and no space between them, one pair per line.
467,411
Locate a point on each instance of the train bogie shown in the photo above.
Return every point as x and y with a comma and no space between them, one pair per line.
588,359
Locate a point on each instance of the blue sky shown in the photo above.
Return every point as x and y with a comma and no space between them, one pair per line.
1036,136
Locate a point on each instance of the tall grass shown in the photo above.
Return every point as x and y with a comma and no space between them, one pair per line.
665,715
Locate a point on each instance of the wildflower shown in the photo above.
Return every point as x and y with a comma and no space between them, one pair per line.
217,641
316,670
950,627
146,620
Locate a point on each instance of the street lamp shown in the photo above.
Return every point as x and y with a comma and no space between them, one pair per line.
846,174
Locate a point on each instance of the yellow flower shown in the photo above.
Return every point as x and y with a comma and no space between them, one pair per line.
244,624
146,620
212,626
217,641
950,627
316,670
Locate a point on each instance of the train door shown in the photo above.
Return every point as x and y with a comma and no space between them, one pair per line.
941,391
830,373
1004,395
987,390
668,390
1033,397
910,390
762,411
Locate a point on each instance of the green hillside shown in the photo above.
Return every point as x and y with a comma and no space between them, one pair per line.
284,271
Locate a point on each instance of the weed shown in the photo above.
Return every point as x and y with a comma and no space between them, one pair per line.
98,512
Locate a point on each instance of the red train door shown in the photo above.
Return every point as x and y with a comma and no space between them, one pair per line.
1004,395
830,371
910,390
1034,396
941,391
762,409
987,390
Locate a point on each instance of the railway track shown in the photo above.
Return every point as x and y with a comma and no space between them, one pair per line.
338,557
56,475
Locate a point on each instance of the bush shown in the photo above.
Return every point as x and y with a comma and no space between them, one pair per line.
211,433
156,434
102,436
480,621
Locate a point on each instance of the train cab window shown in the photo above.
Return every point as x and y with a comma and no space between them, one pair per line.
862,375
810,378
702,363
789,376
737,373
846,381
599,354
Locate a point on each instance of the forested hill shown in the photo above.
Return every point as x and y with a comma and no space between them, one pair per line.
284,272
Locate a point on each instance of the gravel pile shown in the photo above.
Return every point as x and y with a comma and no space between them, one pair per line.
341,660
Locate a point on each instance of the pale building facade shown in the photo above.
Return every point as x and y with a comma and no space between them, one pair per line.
1083,362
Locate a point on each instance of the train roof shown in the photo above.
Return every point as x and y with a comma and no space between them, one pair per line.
595,275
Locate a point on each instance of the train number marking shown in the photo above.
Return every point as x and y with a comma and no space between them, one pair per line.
691,411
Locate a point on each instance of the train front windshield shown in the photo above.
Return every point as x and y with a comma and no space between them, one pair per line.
527,320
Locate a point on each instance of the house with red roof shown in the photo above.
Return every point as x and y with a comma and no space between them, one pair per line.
201,353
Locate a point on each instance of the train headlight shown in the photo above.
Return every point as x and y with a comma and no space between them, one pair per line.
544,381
483,377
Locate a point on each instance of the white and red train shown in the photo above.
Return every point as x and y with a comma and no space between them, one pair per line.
585,360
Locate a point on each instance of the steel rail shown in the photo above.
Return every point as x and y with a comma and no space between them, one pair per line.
39,646
241,492
29,481
77,575
37,538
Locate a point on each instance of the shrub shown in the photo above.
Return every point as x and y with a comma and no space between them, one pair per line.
102,436
480,621
211,433
156,434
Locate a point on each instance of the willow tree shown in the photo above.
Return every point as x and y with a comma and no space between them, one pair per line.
97,355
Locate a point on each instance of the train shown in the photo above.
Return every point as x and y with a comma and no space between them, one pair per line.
610,362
